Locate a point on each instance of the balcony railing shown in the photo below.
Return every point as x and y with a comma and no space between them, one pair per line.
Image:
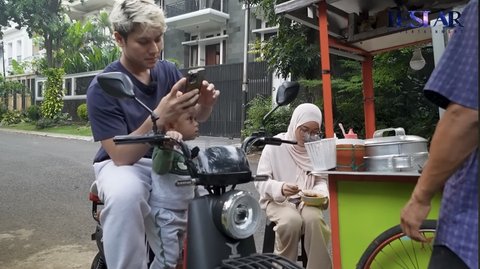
181,7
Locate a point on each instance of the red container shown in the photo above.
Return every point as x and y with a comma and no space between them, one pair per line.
350,153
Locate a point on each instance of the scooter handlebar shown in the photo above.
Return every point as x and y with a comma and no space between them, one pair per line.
277,141
264,140
153,139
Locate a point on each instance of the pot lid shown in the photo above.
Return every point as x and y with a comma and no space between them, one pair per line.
349,141
399,137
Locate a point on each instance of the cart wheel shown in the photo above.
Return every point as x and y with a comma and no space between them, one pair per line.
393,249
99,262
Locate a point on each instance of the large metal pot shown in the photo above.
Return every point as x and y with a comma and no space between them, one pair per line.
395,153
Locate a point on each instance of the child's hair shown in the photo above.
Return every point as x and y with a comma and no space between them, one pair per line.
126,15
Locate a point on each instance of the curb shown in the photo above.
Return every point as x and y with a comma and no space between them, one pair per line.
76,137
204,141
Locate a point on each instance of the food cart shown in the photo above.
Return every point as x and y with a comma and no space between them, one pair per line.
365,204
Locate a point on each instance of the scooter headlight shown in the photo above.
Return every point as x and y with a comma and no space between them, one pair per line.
237,214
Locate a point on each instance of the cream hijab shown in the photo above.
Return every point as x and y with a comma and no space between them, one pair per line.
302,114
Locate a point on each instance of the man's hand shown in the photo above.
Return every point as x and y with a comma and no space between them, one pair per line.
412,216
174,104
208,94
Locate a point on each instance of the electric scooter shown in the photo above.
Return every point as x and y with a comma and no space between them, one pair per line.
222,223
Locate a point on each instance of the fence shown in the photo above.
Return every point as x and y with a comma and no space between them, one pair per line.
21,97
226,117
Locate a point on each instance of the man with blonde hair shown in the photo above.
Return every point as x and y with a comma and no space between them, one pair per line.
123,172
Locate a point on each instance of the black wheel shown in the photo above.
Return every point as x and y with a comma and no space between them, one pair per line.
393,249
99,262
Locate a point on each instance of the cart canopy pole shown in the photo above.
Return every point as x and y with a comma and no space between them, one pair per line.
368,96
325,64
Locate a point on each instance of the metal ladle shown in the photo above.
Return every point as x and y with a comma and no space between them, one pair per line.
343,130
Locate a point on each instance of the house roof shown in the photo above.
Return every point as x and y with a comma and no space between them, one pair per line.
77,9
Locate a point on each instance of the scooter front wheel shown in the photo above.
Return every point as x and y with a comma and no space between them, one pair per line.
99,262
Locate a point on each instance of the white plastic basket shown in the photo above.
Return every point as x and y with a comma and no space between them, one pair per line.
322,153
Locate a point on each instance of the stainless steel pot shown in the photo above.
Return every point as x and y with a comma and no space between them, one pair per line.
395,153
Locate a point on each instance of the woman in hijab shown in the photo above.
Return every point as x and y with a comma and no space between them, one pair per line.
288,168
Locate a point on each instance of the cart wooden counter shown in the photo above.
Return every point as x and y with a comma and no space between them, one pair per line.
362,206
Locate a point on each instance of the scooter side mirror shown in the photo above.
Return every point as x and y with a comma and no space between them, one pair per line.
119,85
287,92
116,84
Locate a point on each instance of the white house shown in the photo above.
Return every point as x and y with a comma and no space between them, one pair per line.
18,46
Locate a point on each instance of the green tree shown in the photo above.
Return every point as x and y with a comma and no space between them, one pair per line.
399,100
281,51
3,15
18,67
43,17
88,45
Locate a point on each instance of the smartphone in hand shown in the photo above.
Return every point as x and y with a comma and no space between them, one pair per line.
194,79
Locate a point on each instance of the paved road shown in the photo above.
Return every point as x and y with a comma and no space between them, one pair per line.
45,217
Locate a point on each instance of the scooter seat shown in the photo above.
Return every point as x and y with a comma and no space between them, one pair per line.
93,195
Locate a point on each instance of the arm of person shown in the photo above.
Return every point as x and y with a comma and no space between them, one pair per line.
321,186
271,187
162,160
455,138
127,154
168,109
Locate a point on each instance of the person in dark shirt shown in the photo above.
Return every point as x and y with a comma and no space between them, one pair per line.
123,172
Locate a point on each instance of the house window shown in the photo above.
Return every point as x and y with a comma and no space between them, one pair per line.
81,85
206,49
31,86
267,36
68,86
19,50
40,89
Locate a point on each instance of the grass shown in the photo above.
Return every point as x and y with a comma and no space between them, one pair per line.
74,129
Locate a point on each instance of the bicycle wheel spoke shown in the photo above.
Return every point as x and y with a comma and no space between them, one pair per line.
406,250
394,250
412,243
392,255
377,263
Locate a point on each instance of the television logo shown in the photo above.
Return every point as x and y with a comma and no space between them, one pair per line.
419,18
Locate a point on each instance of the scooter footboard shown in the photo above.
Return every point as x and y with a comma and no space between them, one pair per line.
206,245
267,260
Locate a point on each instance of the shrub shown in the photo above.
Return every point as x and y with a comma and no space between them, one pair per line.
258,108
53,101
34,113
58,120
45,123
82,112
11,117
